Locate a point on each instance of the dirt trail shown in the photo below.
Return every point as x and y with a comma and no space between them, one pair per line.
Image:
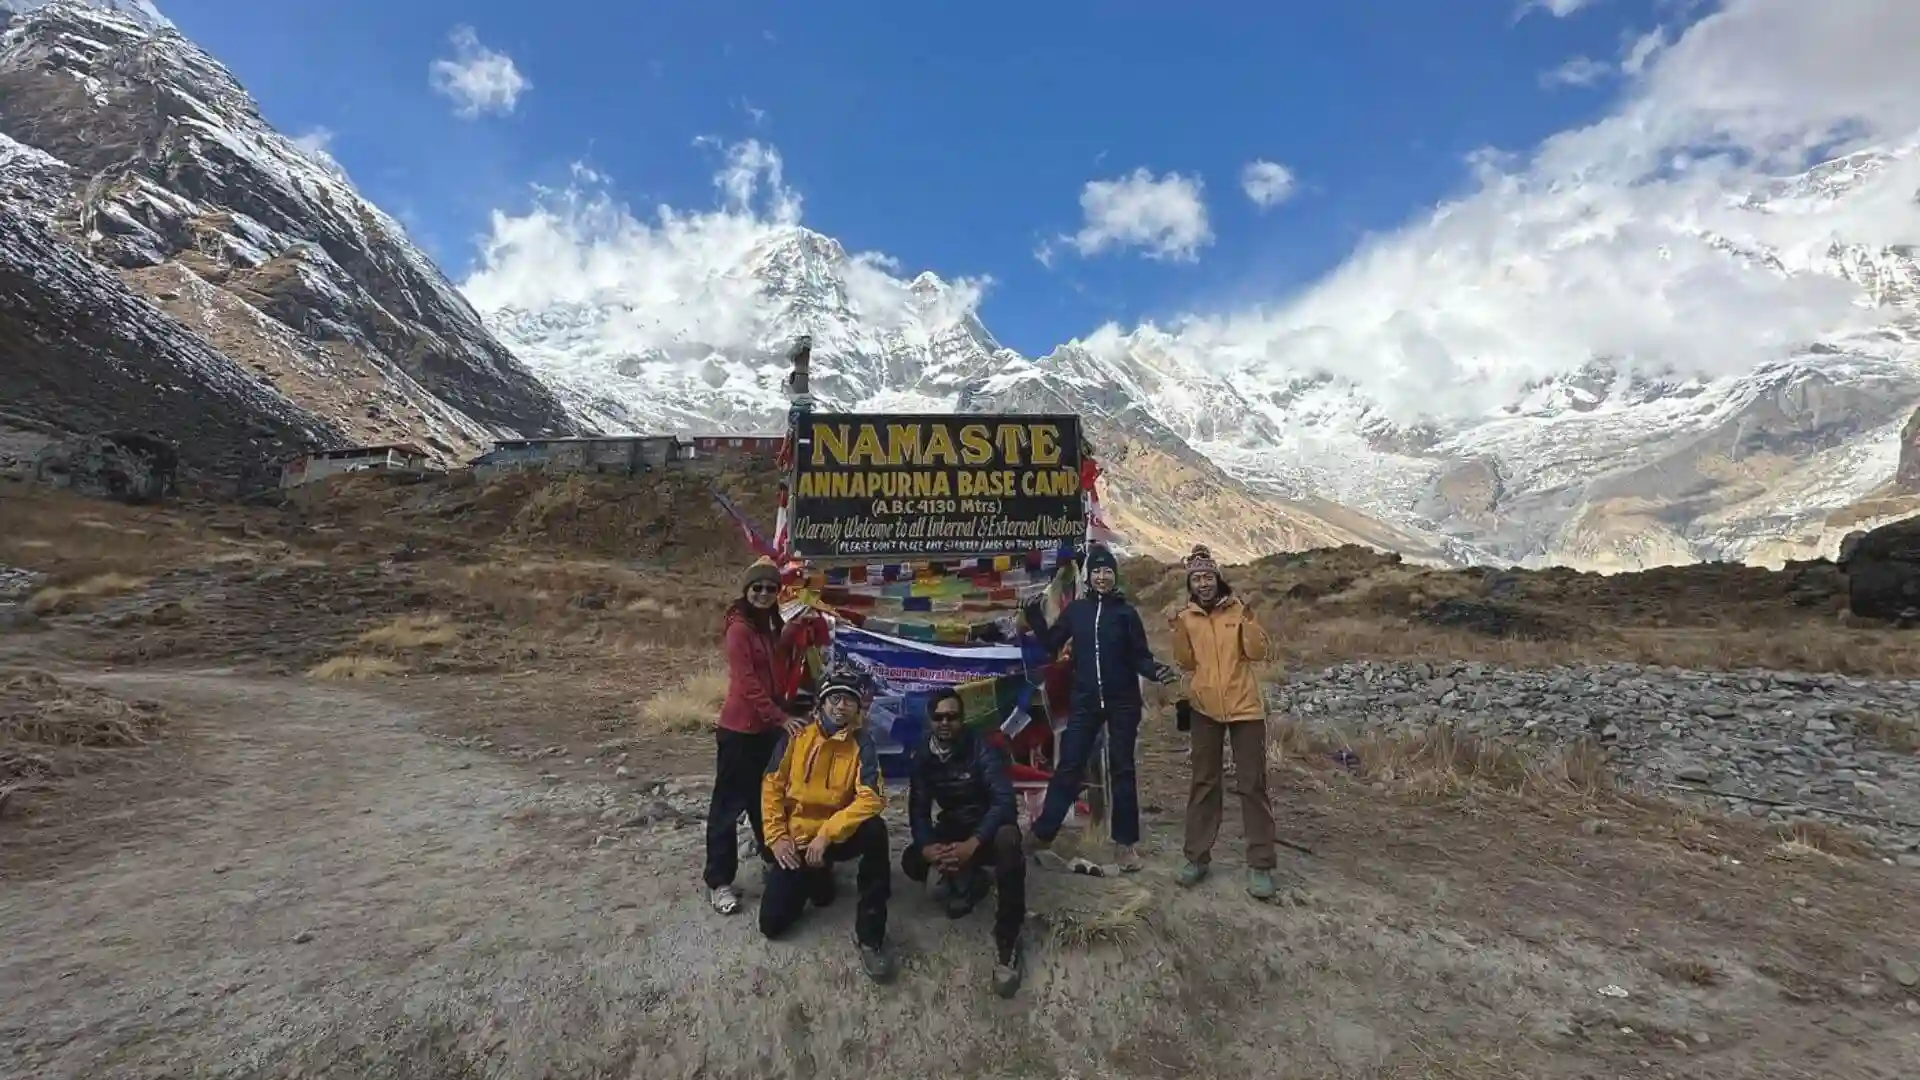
331,891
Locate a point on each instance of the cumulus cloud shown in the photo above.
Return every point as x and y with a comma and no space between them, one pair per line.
1631,238
678,279
477,79
1164,217
1267,183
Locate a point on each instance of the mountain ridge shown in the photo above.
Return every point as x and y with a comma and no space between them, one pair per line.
150,159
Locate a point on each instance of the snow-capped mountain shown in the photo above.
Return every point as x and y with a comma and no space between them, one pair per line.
146,155
232,265
881,344
1604,466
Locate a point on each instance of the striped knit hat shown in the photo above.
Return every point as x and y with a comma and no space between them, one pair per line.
843,681
1201,562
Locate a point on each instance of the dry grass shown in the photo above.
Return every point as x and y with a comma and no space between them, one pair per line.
693,705
47,727
1119,922
412,632
1686,971
1440,762
1811,839
353,667
65,599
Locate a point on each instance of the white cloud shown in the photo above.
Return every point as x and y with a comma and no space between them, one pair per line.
1581,71
679,278
1163,216
1591,244
1267,183
315,143
477,79
1559,9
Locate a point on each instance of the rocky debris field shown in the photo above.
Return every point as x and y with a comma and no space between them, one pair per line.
1786,748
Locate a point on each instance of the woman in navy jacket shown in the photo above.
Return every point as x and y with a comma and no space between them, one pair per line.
1110,657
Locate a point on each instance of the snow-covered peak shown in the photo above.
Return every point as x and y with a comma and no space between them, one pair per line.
141,13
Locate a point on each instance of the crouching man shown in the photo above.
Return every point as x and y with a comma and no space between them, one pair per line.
821,801
965,778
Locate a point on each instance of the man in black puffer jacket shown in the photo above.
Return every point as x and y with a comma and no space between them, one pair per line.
1110,657
965,777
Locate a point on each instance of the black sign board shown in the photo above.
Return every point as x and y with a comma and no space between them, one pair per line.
926,486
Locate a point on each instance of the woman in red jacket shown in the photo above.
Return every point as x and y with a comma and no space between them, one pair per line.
761,658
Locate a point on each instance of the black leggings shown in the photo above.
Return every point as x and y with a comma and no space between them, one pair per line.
740,762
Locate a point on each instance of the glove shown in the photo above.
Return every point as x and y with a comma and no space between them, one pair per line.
1166,675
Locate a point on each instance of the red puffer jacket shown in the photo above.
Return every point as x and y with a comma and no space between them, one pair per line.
763,670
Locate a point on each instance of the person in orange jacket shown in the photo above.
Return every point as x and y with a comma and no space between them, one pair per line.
1217,641
820,803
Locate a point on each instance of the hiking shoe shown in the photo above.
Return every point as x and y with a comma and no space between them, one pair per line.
1006,971
1129,859
877,963
1036,846
724,900
1260,885
1193,873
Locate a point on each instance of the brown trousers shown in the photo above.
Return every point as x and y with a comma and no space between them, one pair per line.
1207,797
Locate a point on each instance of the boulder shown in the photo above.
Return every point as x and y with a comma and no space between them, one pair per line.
1883,573
128,466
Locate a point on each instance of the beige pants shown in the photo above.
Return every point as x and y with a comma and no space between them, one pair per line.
1207,797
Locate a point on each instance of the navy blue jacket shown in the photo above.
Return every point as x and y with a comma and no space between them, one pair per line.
1110,653
971,788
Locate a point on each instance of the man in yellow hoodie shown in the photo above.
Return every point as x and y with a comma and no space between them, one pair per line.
821,801
1217,642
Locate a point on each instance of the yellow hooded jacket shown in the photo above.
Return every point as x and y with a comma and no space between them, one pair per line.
821,783
1218,649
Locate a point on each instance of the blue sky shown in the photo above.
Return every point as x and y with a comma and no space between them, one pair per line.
953,138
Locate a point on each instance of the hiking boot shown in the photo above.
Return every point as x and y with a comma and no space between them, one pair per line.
1006,971
877,962
1129,859
724,900
1036,846
1193,873
1260,885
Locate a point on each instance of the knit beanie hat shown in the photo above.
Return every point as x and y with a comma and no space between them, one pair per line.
762,570
1201,562
1098,556
843,681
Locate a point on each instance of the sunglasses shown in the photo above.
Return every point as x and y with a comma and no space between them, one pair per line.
762,589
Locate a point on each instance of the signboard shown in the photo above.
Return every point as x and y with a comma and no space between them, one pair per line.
926,486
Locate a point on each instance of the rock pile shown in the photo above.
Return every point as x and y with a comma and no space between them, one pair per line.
1780,746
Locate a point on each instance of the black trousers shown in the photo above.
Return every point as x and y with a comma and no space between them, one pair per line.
740,761
1009,865
789,890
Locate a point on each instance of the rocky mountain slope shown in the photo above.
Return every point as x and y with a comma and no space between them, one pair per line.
143,152
1603,467
79,350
